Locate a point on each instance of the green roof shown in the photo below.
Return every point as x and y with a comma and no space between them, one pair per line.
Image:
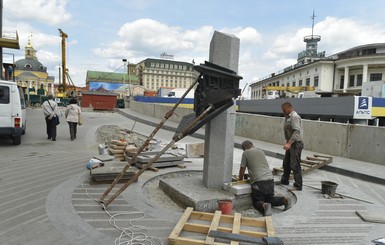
109,76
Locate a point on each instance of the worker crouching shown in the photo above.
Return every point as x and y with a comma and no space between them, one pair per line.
261,179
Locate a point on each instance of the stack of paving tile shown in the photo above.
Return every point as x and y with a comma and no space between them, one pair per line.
110,170
166,160
116,149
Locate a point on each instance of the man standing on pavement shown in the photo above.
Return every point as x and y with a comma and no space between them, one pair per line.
261,179
294,144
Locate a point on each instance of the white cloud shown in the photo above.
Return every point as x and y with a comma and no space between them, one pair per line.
147,37
337,34
248,36
51,12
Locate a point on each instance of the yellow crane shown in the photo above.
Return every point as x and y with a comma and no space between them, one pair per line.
290,89
65,77
64,36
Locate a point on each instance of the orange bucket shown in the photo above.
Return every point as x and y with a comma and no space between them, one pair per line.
226,206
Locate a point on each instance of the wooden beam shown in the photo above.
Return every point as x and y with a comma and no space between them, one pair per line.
179,226
236,227
204,229
214,226
269,226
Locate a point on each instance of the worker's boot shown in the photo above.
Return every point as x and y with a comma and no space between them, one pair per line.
286,203
267,209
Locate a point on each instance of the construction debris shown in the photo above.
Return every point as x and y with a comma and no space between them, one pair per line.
195,150
110,170
309,164
117,148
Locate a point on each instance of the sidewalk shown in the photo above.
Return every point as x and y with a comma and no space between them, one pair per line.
353,168
43,200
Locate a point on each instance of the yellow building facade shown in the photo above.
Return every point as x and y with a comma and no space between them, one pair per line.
32,75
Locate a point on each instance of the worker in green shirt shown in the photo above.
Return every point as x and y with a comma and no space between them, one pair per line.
261,179
294,144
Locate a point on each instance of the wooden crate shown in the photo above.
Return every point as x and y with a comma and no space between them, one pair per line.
201,223
309,164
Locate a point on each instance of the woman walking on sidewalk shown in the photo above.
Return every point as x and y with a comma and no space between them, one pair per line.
73,113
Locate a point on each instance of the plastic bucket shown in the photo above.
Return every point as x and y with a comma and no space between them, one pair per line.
329,187
226,206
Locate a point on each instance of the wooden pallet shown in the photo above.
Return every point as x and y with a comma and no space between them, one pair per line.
309,164
200,224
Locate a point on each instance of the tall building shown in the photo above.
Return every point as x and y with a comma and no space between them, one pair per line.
156,73
31,74
345,73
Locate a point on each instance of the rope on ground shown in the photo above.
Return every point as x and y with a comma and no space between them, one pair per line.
127,235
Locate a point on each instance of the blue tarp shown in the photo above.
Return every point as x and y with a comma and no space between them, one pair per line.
155,99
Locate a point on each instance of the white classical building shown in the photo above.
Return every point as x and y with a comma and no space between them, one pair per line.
341,73
156,73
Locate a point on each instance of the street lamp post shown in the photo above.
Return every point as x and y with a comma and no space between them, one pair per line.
124,75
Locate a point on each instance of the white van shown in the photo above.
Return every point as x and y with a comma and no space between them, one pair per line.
12,111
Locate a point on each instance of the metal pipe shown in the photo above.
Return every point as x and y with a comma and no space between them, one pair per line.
133,159
153,160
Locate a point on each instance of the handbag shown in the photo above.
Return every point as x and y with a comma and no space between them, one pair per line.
80,118
57,121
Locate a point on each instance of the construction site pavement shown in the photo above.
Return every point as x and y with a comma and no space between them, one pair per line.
44,199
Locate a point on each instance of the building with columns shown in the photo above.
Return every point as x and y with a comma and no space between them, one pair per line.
32,75
344,73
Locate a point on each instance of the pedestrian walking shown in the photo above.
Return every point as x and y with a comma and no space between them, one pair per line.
73,114
293,131
50,110
261,179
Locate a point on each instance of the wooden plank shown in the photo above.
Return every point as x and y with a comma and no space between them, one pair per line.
323,156
214,226
310,162
204,229
236,227
269,226
190,241
236,237
179,226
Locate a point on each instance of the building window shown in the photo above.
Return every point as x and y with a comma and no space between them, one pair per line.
342,79
157,65
351,81
152,64
162,65
359,80
316,78
293,84
307,81
300,83
375,77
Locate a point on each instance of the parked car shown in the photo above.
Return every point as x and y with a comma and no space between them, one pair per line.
13,121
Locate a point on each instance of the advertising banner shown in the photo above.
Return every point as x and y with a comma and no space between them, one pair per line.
362,107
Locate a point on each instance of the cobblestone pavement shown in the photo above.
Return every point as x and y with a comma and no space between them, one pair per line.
43,200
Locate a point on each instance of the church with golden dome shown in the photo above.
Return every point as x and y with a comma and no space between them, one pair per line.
32,75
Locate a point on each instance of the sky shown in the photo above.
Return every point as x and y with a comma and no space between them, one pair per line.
102,33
